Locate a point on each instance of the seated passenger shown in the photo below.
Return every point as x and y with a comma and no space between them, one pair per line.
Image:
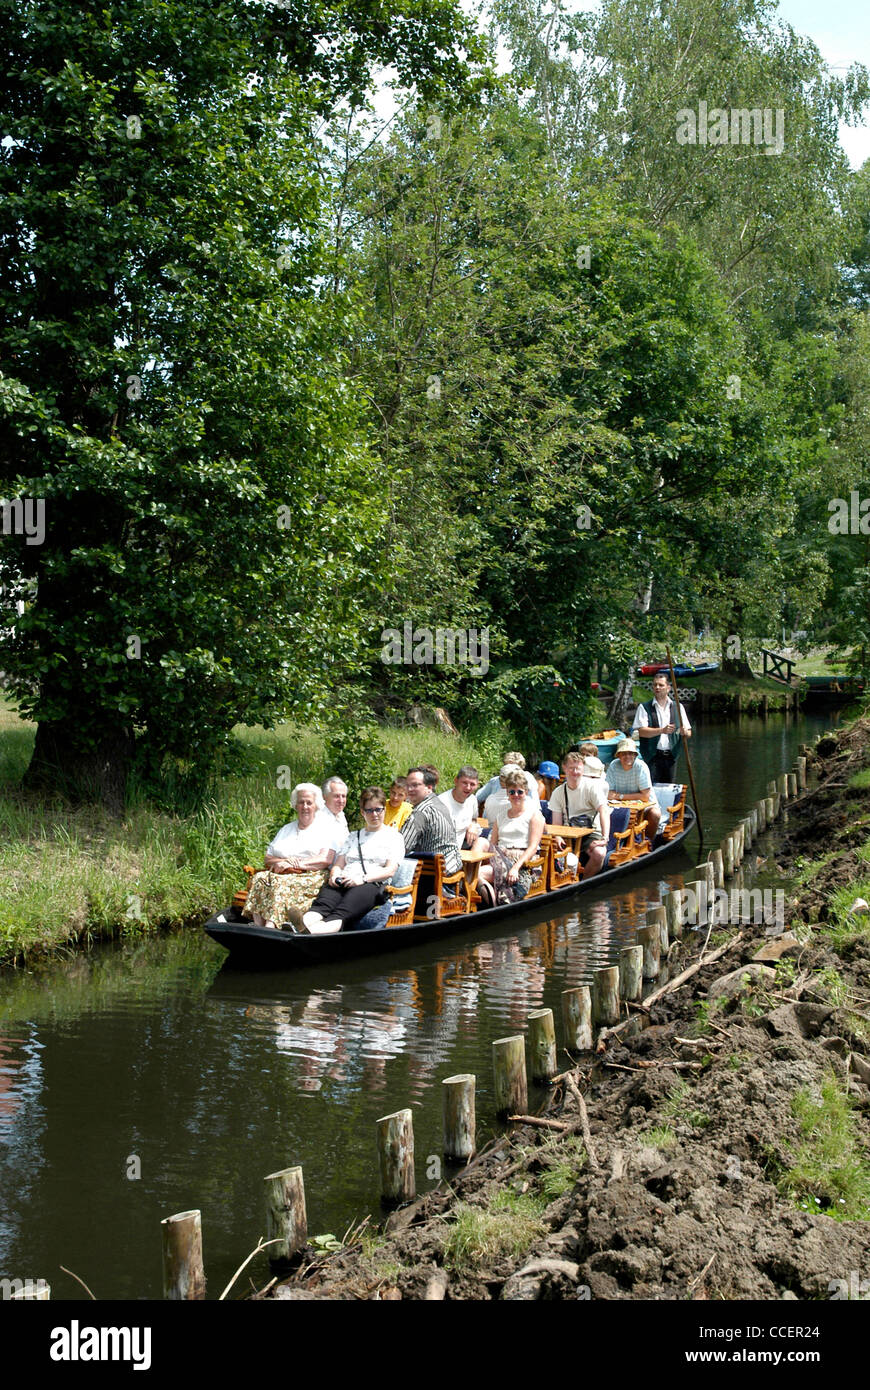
581,800
516,760
629,780
366,861
429,829
498,800
461,804
515,839
398,809
334,802
295,861
548,778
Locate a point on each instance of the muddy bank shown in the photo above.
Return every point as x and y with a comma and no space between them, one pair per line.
723,1142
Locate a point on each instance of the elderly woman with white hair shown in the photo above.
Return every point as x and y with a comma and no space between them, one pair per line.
295,862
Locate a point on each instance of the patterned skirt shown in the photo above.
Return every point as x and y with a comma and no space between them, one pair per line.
501,863
272,894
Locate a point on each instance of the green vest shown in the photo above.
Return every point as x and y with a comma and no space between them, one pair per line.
648,745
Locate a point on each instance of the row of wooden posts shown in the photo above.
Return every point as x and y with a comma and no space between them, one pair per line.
583,1009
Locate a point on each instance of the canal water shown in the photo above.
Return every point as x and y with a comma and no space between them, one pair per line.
147,1078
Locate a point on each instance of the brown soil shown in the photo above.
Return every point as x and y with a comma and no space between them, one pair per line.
704,1213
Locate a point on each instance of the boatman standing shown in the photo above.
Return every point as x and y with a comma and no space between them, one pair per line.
656,725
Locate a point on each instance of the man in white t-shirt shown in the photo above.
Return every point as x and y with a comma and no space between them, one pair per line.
583,793
461,804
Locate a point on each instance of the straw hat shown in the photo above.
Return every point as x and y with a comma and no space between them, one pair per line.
593,767
627,745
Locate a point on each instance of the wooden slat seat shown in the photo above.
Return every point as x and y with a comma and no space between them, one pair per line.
632,842
676,817
241,897
556,877
406,916
439,903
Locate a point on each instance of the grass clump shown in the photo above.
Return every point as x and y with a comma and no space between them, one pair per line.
830,1172
677,1107
859,781
661,1137
506,1227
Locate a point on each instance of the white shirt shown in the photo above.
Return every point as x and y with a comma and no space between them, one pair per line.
335,827
379,848
585,800
292,842
461,813
664,743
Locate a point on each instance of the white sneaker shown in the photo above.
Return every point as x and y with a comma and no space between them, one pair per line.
312,920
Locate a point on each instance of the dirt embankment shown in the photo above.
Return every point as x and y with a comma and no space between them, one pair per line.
718,1137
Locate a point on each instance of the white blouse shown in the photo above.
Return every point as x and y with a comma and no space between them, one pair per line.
292,842
379,848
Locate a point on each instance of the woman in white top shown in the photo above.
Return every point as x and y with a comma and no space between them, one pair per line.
367,860
295,861
514,840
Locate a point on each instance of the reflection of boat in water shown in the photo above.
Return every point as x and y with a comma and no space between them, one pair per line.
262,948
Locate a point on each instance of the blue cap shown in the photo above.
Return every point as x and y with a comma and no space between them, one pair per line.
548,770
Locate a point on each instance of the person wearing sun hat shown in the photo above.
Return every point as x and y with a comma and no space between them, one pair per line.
628,778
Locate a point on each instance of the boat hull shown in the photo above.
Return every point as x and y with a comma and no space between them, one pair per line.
260,948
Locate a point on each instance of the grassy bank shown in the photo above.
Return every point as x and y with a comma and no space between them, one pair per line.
79,875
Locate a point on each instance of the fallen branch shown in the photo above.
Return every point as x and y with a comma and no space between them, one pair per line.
539,1122
675,983
584,1118
261,1245
78,1281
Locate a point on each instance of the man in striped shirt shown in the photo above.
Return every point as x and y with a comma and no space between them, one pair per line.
629,780
429,828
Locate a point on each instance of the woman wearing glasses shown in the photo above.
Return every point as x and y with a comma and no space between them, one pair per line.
366,861
515,839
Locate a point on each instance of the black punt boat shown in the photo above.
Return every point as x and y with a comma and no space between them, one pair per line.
263,948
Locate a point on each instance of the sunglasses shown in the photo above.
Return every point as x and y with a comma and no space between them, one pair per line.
373,810
516,792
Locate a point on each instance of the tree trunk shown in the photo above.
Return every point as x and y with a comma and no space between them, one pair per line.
622,700
82,766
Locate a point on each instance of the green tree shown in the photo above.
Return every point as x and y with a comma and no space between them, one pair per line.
173,385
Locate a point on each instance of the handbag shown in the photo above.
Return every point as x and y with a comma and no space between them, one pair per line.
382,895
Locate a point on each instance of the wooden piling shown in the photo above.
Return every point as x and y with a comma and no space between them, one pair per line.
673,905
509,1074
727,848
747,833
631,972
801,770
183,1272
769,810
460,1125
718,862
648,938
792,785
286,1220
658,916
396,1157
34,1291
542,1044
753,821
737,840
784,786
605,994
697,906
577,1018
761,812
